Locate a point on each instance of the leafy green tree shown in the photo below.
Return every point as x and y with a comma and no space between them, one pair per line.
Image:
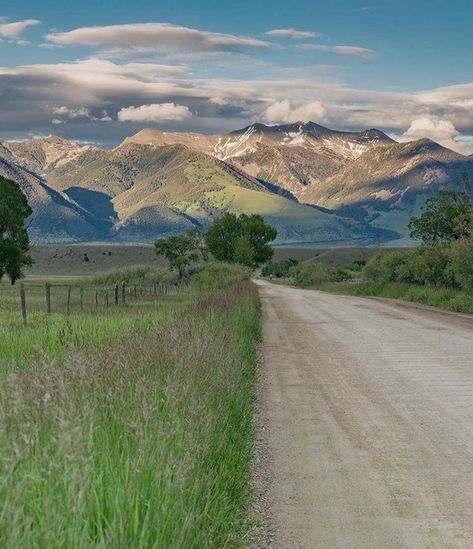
243,252
14,241
225,233
446,217
280,269
180,250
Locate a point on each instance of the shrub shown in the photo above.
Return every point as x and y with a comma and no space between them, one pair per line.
427,265
424,265
280,269
305,275
385,267
461,262
219,275
137,274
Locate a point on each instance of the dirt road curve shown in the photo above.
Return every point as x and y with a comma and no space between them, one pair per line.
368,415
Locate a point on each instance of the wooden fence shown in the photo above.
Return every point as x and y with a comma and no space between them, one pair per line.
76,298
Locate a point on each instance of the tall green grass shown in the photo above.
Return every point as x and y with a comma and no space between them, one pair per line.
142,439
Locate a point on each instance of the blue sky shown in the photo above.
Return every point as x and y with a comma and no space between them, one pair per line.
99,70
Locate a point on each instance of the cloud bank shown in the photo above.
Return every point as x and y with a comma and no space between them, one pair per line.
153,36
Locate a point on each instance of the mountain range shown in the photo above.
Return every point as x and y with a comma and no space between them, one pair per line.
316,185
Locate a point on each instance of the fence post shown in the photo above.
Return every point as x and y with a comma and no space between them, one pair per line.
136,294
23,302
123,293
68,309
48,297
81,290
96,299
106,297
116,294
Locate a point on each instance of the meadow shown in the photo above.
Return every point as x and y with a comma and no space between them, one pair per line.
128,425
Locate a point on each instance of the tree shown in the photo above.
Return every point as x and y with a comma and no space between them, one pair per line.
14,241
446,217
181,250
231,236
244,254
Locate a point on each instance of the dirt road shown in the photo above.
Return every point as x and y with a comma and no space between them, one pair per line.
368,421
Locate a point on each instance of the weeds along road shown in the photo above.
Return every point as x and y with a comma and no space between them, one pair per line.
368,421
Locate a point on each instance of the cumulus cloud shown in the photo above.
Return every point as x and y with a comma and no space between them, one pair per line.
72,113
11,31
353,51
292,33
153,36
283,111
68,113
441,131
156,112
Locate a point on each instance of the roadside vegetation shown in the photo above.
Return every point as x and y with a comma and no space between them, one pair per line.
439,272
131,425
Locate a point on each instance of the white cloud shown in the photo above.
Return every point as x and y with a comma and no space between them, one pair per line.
13,30
354,51
441,131
157,112
282,111
292,33
155,37
81,112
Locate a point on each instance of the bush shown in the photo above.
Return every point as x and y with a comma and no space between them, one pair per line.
461,262
280,269
305,275
219,275
137,274
425,265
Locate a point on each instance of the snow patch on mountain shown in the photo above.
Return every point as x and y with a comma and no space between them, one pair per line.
232,147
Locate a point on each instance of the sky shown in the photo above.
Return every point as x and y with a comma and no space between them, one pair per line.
98,71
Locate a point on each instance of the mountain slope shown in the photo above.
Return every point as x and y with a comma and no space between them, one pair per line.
55,218
159,183
139,191
391,184
292,156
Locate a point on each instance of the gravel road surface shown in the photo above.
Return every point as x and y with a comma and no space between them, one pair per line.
367,414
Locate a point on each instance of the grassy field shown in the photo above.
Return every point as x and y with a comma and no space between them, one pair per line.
128,426
68,260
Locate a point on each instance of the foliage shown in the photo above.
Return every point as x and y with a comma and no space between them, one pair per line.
244,253
136,274
446,217
424,265
226,232
280,269
216,275
306,275
14,241
181,250
461,262
136,440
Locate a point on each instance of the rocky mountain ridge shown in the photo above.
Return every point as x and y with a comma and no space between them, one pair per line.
315,184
